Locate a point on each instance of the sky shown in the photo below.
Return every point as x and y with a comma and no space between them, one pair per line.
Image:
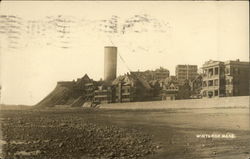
43,42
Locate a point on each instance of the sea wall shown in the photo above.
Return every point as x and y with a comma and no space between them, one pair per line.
227,102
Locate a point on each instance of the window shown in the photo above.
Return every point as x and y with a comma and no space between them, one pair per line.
210,93
205,73
204,93
125,96
216,71
216,82
216,92
236,70
210,72
227,70
210,83
204,83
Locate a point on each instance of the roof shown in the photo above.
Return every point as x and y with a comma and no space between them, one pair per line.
237,62
131,79
211,63
86,78
197,78
141,80
184,65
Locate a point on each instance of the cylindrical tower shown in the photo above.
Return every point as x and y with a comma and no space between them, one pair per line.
110,63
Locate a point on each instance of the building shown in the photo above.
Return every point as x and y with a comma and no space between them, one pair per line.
237,78
83,91
230,78
186,72
170,79
103,94
156,86
131,88
172,89
81,87
85,85
213,82
158,74
169,91
196,87
72,93
77,93
184,91
169,88
124,89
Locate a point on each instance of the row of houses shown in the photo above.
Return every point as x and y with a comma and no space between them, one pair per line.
133,88
218,79
125,88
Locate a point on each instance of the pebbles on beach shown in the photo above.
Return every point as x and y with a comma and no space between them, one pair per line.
34,134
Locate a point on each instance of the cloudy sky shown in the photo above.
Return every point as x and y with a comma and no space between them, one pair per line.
45,42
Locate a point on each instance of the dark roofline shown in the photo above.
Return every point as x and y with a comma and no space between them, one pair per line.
237,62
110,47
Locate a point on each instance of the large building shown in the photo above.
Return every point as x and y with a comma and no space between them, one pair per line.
186,72
230,78
158,74
161,73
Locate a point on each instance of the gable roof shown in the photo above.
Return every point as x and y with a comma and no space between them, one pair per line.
84,79
131,79
144,83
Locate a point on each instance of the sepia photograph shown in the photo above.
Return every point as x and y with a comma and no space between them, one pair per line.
124,80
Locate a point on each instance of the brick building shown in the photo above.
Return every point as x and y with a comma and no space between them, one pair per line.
230,78
186,72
